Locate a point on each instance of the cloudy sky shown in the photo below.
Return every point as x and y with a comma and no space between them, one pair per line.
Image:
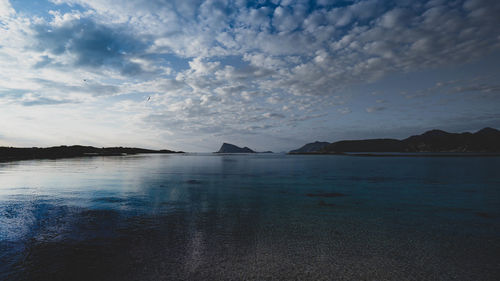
271,75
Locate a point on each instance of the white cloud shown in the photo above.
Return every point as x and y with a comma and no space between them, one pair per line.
6,9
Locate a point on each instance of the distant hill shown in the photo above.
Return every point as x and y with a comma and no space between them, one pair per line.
231,148
15,153
311,147
485,140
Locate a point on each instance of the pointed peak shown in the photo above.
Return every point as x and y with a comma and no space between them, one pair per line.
231,148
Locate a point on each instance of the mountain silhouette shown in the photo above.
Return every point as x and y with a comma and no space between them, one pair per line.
486,140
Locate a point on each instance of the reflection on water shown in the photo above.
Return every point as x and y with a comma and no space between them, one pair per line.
257,217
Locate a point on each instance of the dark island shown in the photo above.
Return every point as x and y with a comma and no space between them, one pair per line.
56,152
231,148
486,140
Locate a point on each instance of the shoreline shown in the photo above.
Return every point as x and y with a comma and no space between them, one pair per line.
8,154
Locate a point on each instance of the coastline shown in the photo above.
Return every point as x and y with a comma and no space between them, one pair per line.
8,154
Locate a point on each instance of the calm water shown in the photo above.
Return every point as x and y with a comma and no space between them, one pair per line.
253,217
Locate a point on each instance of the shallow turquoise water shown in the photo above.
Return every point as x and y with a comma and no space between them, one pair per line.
254,217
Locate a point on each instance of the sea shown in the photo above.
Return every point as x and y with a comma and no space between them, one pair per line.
250,217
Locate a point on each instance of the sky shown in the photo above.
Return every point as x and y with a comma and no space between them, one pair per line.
268,74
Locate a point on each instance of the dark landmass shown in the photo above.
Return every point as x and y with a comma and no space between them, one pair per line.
486,140
311,147
56,152
370,145
231,148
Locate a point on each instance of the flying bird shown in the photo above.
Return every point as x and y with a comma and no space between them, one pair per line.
149,98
